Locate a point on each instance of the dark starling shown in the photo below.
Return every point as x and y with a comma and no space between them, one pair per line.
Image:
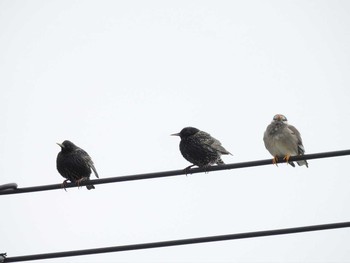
199,148
74,164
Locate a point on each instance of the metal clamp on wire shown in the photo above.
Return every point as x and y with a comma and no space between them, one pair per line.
10,186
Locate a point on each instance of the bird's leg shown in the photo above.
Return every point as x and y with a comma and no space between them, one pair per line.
205,167
286,158
64,184
187,169
78,183
80,180
275,160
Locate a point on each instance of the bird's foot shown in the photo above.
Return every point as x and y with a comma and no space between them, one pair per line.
205,167
63,185
81,180
275,160
188,168
286,158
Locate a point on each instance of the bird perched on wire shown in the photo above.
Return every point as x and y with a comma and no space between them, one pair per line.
74,164
283,140
199,148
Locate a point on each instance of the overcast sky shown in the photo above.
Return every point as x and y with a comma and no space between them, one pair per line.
118,77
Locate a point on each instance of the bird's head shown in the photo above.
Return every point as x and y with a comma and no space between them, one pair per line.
186,132
67,146
280,118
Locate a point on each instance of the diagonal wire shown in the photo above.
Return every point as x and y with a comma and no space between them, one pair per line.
173,173
179,242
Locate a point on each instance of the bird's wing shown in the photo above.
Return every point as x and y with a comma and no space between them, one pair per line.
297,135
94,169
88,160
212,142
268,138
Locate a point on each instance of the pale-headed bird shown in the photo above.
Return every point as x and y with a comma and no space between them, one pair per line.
283,140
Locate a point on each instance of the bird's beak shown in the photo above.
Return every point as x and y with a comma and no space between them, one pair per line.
175,134
60,144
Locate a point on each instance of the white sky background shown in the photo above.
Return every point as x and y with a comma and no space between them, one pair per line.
118,77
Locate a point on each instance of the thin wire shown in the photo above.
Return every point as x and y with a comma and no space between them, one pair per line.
179,242
172,173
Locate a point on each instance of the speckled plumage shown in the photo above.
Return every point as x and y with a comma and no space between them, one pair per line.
74,164
283,140
199,148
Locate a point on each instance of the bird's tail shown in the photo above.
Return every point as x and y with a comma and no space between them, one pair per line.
89,187
301,151
292,164
303,162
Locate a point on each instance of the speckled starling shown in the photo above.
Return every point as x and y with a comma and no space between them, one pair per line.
74,164
199,148
283,140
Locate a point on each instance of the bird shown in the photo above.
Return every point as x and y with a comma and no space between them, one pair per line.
199,148
74,164
283,140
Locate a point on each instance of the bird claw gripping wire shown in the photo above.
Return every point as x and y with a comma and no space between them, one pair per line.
2,257
275,161
64,185
188,168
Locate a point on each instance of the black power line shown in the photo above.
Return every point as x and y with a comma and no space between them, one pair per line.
173,173
179,242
